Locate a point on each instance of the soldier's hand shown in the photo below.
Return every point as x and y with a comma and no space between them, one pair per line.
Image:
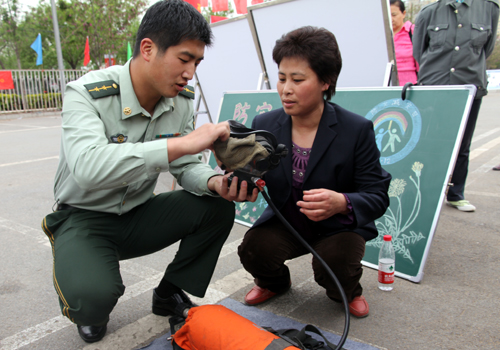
197,141
220,185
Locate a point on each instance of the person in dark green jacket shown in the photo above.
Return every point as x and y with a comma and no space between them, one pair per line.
451,42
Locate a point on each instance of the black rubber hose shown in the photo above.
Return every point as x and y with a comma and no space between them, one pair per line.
316,255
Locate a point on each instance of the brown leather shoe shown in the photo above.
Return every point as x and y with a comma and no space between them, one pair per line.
496,167
258,295
358,307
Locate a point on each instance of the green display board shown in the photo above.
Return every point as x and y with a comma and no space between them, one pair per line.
418,138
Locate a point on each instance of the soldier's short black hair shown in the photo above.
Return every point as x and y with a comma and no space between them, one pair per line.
170,22
318,47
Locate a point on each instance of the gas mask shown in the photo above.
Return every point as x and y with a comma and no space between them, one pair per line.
249,153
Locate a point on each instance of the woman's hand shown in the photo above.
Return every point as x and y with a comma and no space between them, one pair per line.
321,204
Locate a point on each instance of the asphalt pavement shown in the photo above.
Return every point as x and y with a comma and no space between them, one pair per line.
456,306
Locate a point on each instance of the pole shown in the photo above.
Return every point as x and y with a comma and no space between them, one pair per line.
60,62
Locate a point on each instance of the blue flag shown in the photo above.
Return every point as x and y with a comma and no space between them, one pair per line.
37,46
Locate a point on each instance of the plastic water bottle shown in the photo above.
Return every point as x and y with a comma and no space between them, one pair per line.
386,265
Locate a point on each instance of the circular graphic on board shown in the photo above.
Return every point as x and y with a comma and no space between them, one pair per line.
397,126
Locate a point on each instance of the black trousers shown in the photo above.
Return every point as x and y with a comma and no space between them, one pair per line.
88,245
456,192
265,249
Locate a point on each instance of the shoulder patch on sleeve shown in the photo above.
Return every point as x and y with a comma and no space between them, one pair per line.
103,89
188,92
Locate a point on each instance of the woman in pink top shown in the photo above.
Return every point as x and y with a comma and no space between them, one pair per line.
406,64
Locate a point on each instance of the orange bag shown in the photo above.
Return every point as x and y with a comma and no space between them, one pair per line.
216,327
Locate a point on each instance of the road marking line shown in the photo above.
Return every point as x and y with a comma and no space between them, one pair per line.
41,330
142,330
230,248
483,169
29,161
138,270
37,234
292,300
486,134
136,333
217,291
231,283
34,333
484,148
25,130
27,126
487,194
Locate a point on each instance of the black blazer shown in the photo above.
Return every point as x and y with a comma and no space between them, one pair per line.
344,158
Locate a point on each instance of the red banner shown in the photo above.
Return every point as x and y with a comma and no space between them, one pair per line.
219,5
86,53
106,61
241,6
255,2
214,19
195,3
6,82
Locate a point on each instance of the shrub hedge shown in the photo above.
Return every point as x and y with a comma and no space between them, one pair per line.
10,102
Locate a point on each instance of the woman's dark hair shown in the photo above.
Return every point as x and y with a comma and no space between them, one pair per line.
170,22
318,47
399,3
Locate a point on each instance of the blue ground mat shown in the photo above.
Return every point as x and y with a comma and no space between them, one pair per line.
263,319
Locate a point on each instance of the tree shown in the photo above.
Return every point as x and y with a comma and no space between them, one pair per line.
38,20
493,62
11,14
109,24
412,11
112,24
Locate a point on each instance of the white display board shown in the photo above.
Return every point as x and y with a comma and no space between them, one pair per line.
493,79
359,26
243,45
231,63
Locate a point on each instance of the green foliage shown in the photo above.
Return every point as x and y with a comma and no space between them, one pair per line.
412,11
109,24
49,100
112,24
9,102
493,62
10,14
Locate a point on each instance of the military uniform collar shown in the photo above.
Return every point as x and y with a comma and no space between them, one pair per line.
164,105
130,103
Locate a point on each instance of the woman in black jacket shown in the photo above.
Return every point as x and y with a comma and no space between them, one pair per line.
330,187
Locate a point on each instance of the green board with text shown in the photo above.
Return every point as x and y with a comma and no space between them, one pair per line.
418,138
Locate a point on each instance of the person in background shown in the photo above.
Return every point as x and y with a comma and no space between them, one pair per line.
403,46
115,143
330,187
451,42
